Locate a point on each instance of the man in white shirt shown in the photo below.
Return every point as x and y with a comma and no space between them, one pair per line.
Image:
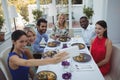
88,31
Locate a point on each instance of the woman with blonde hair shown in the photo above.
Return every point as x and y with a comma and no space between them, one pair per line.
31,36
61,27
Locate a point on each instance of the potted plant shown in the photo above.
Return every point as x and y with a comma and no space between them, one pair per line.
1,25
37,14
88,12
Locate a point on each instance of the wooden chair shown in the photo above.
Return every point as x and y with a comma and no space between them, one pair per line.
4,63
115,65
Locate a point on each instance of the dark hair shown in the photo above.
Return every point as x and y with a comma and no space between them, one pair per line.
16,35
84,17
41,20
103,24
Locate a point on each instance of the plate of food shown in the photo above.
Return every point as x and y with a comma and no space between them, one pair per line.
82,57
80,45
64,38
49,54
46,75
53,44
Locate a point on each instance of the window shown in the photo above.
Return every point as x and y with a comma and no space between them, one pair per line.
61,1
77,1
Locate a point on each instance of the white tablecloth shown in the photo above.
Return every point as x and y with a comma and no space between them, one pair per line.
79,70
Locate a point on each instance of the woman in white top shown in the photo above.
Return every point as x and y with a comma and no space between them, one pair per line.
60,28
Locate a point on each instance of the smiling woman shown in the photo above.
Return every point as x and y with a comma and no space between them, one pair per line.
18,62
101,47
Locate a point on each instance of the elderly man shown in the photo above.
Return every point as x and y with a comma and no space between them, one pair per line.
88,31
41,33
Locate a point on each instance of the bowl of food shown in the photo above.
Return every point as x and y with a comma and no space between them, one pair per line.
52,44
64,38
49,54
46,75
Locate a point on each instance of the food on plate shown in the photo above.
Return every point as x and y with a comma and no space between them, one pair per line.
49,54
46,75
82,57
64,38
52,44
80,45
79,57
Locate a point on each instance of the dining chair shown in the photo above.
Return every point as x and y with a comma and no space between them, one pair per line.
115,65
4,63
2,76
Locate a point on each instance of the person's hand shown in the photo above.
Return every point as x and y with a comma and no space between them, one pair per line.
60,57
54,37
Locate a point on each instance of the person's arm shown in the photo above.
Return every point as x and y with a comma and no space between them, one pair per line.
91,44
45,37
108,53
36,45
31,73
28,53
52,35
36,62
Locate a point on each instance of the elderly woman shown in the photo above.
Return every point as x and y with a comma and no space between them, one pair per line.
60,28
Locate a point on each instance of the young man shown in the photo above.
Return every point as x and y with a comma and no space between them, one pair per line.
88,31
41,33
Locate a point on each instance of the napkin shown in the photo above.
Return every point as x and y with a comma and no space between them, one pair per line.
72,51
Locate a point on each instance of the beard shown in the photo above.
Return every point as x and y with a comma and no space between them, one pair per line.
42,31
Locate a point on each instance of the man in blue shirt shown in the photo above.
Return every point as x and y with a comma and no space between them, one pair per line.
41,33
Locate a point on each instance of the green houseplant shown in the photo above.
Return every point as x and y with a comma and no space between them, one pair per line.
1,25
88,12
37,14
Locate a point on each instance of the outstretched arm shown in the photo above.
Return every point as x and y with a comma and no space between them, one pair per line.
15,60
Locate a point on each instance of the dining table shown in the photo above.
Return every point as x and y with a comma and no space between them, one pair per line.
79,70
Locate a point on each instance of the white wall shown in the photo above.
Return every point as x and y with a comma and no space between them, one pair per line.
113,20
98,7
108,10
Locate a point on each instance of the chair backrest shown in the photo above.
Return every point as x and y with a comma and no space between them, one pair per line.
2,76
115,64
4,63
